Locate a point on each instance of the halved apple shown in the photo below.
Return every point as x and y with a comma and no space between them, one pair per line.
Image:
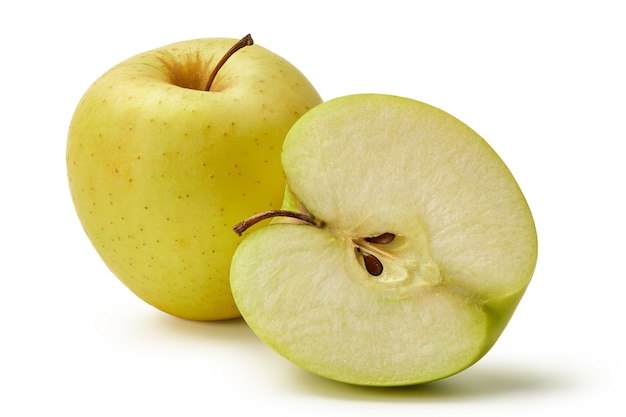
402,249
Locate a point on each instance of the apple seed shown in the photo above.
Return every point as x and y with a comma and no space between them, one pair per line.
383,239
373,265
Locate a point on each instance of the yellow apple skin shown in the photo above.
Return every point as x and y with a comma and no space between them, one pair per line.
159,170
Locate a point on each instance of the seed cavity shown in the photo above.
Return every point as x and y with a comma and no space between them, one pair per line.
373,265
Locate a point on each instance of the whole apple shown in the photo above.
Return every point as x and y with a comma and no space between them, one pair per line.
159,168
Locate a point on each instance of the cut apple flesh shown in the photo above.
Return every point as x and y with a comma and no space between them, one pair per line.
426,249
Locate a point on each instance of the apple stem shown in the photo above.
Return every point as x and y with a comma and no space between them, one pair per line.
243,42
241,227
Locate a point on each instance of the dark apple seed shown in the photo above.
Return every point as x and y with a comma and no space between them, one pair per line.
383,239
372,264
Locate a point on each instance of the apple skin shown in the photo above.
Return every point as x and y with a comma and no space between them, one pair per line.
159,170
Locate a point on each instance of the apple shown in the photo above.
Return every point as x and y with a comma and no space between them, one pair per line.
402,249
167,150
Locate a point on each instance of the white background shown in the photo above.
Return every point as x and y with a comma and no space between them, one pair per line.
541,81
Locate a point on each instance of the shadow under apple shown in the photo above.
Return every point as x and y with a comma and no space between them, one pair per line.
230,331
484,380
476,383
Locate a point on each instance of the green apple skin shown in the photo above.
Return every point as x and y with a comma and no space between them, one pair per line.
159,169
464,251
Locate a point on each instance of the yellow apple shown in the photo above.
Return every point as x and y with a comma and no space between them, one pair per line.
160,169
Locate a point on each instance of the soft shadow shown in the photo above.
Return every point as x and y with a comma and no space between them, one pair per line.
476,383
230,331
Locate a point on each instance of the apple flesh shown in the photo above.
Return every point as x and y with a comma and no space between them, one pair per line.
160,169
413,247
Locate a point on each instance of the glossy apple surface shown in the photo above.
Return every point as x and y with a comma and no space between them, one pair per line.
160,169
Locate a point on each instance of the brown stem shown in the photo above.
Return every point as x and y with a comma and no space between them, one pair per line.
243,42
241,227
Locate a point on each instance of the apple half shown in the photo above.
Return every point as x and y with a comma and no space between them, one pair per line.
402,249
